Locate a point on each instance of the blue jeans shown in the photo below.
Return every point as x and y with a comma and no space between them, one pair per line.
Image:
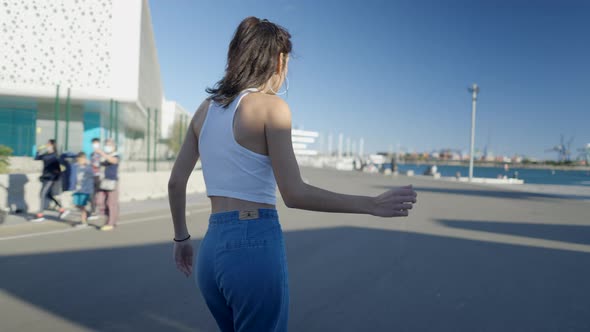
241,270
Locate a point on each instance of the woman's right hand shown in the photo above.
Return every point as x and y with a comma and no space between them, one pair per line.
394,202
183,256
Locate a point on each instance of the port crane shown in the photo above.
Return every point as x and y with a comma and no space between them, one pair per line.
563,149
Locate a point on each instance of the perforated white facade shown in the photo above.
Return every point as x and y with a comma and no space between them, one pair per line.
98,50
45,43
94,47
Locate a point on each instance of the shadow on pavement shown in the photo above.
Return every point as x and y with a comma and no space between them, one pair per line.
495,193
16,192
341,279
567,233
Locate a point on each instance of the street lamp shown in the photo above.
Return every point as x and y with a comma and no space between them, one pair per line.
474,89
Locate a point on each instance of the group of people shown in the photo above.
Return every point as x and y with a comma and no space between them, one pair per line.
94,181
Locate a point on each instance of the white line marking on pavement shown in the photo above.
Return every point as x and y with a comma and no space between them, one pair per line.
132,221
55,221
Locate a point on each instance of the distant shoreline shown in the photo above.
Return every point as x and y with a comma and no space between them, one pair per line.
500,165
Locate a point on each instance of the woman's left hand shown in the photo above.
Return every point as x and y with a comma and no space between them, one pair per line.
183,256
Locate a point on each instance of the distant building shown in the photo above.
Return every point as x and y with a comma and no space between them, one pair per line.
173,114
516,159
75,70
304,141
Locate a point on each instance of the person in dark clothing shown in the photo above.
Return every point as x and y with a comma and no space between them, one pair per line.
49,179
107,198
95,159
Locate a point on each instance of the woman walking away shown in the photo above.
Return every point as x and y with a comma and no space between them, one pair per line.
242,133
49,179
107,197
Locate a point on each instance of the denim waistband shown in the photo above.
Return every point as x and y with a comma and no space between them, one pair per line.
233,216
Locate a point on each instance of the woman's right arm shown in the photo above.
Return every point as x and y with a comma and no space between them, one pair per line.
181,171
297,194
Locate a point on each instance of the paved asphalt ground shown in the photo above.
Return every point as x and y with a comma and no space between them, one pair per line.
469,258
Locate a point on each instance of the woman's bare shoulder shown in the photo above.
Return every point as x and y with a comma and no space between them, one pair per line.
278,112
204,106
199,116
274,108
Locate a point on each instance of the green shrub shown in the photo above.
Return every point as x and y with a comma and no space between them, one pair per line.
5,152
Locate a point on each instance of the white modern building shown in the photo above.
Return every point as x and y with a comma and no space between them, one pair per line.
173,114
305,146
304,142
74,70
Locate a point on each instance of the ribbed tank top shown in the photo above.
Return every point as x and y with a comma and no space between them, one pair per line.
230,169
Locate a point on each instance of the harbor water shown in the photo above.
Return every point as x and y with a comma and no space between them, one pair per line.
529,175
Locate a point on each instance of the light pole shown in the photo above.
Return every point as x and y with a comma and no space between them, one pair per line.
348,146
340,138
362,147
474,89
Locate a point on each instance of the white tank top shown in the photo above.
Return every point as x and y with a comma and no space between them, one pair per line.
230,169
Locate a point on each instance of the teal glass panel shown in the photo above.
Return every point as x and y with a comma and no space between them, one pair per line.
17,130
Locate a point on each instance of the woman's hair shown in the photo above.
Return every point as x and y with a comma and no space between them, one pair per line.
252,58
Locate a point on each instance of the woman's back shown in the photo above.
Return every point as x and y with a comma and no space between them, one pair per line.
232,148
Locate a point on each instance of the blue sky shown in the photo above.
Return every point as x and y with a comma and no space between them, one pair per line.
396,72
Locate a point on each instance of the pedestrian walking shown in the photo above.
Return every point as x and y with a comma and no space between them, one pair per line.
242,134
50,180
84,187
95,158
107,198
